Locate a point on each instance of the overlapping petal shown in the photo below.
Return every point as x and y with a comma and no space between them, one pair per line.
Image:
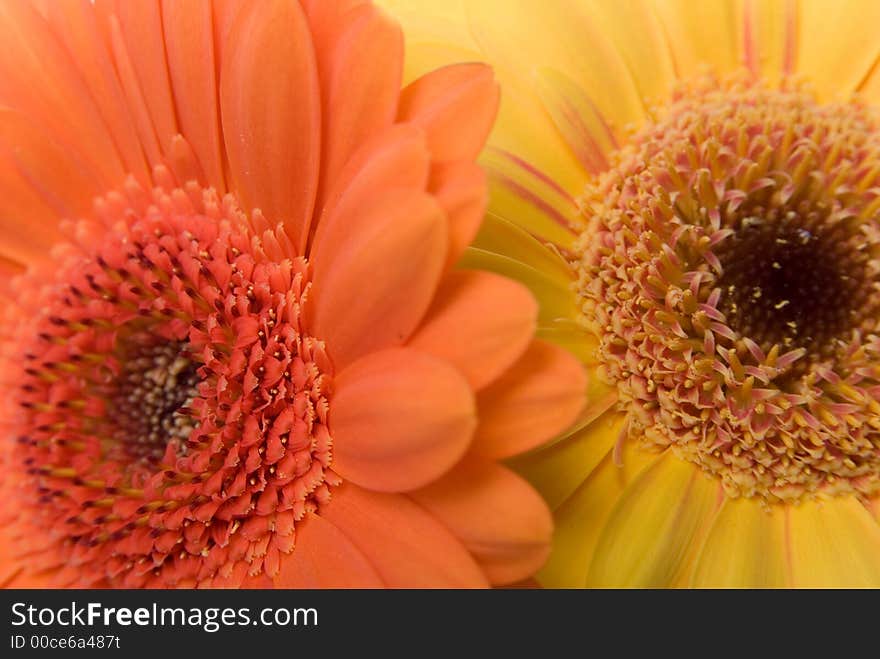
578,76
349,203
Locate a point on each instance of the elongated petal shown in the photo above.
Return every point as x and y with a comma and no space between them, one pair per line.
502,236
400,419
480,322
870,89
407,546
47,168
325,558
834,544
834,47
579,521
530,197
141,120
648,57
562,35
655,526
74,22
576,117
141,26
770,37
28,225
456,106
38,78
554,297
703,33
395,158
189,43
271,113
374,285
360,58
461,191
502,521
746,548
225,14
537,398
558,470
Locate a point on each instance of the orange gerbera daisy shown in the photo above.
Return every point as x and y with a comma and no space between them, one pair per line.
234,348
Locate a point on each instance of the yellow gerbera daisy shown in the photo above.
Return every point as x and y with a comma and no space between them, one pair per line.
692,189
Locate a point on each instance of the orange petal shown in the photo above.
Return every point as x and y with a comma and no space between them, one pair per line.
9,268
399,418
537,398
189,44
480,322
28,226
48,169
461,191
360,62
141,120
502,521
456,105
183,162
397,157
323,17
375,282
408,547
75,24
225,13
271,113
39,79
141,26
324,558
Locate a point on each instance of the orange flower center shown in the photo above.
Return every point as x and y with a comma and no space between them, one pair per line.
170,404
731,270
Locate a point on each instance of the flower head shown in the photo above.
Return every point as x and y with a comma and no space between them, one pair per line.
234,347
696,205
730,275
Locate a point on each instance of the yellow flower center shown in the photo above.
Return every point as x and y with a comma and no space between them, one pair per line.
730,270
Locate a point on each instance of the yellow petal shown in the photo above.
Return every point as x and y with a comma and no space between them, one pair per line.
580,520
703,33
438,33
556,301
654,526
522,193
745,548
525,128
835,51
558,470
834,543
873,505
769,37
870,89
573,337
563,35
589,135
433,23
504,237
647,57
